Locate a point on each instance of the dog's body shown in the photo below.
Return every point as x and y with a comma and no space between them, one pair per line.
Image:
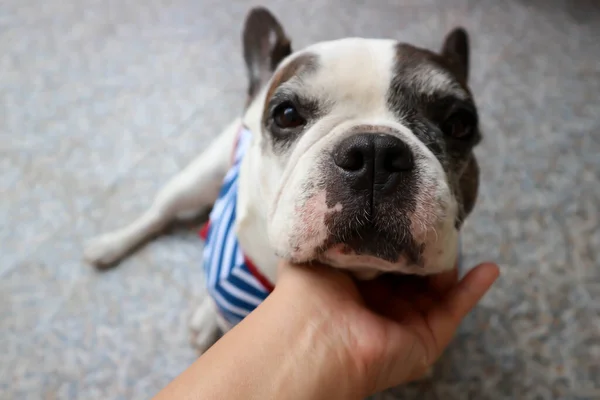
360,157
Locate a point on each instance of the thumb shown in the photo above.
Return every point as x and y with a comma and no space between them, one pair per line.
460,301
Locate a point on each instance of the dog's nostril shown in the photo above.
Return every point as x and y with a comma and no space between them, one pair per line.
397,159
352,160
353,153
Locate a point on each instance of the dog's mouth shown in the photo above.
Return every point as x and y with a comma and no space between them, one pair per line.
383,237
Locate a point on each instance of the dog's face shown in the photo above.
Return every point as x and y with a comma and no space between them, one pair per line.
366,156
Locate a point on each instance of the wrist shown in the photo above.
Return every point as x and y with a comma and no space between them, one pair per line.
318,362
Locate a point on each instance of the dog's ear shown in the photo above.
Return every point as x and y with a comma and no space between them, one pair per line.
265,45
456,51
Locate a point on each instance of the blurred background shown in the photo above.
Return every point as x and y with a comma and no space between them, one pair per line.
102,101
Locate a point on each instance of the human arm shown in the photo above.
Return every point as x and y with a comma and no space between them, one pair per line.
320,336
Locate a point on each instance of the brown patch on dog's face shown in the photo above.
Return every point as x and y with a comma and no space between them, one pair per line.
296,67
277,96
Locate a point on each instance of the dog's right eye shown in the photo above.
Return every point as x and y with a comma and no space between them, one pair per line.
286,116
460,125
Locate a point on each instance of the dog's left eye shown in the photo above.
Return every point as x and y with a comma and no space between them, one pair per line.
459,125
286,116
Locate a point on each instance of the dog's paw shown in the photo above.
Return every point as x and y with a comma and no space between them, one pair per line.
104,250
204,325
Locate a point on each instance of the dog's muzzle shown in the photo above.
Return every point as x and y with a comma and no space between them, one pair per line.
373,178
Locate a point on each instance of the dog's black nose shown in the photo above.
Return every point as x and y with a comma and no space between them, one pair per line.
373,161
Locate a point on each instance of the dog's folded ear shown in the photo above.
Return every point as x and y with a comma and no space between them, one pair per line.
265,45
456,51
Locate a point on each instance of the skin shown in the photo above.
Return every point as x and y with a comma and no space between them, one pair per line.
320,335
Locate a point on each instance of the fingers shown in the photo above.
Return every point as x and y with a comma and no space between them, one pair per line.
445,319
470,290
442,283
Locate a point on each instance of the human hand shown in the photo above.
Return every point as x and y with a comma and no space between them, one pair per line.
387,331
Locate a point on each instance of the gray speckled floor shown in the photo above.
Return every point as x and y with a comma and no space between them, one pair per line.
102,101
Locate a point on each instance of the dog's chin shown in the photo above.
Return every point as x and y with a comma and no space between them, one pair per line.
365,266
365,263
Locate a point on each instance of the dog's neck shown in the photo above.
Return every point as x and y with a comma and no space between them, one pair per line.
251,224
251,218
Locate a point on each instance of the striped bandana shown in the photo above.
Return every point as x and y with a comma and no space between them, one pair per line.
233,281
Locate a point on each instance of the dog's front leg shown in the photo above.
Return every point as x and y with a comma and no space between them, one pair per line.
190,192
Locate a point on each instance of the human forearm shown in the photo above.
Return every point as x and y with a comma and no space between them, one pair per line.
278,352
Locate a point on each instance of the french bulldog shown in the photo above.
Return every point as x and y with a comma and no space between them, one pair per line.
356,153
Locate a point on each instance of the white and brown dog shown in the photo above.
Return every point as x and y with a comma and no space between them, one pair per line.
357,153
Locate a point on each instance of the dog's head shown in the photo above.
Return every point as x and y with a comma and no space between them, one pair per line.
362,154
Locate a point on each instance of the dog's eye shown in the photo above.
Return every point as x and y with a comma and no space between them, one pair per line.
286,116
459,125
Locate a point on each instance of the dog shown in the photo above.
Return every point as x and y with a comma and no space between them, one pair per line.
356,153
